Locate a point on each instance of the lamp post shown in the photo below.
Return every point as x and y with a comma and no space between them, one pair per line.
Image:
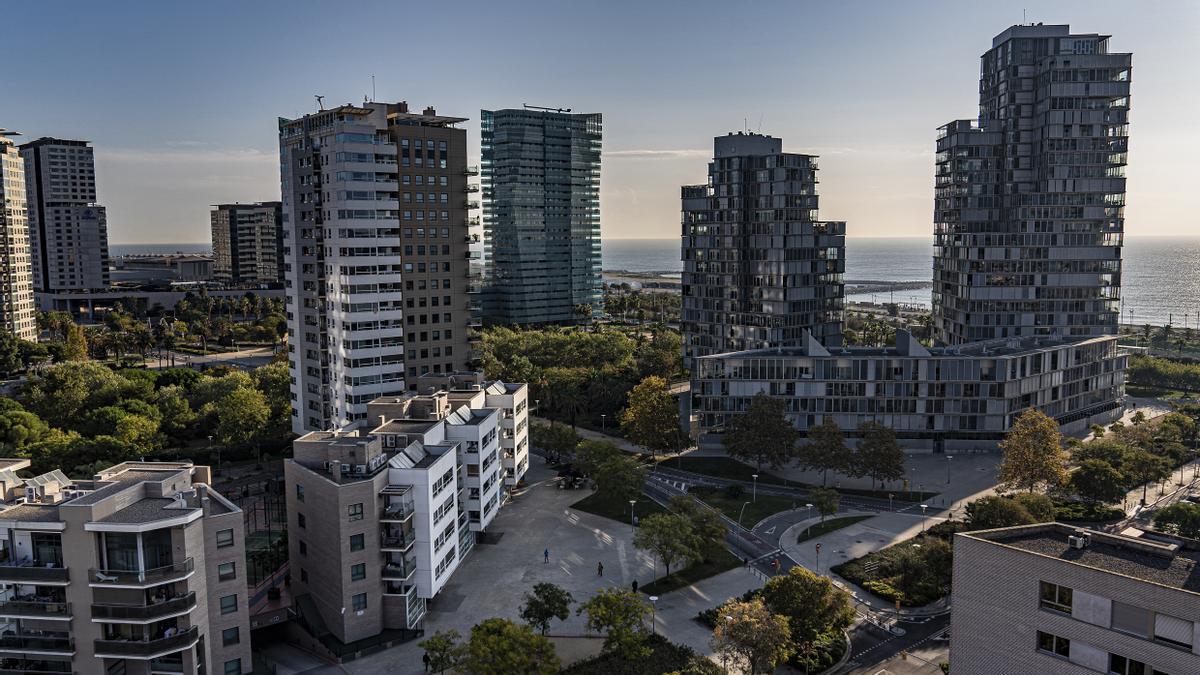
536,405
742,512
653,613
948,458
632,526
818,547
923,508
754,488
808,516
603,417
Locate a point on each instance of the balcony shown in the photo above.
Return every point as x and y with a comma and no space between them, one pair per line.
471,171
472,188
399,571
396,513
142,578
35,668
389,542
34,609
471,204
42,644
159,610
147,649
29,572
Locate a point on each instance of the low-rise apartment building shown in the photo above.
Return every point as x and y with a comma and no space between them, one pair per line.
1050,598
380,515
138,570
937,399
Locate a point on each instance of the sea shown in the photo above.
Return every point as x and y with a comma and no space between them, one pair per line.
1160,284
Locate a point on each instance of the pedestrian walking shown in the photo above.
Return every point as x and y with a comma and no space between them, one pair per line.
425,659
599,569
635,585
546,557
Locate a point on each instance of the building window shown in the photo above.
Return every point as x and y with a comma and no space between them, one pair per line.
230,636
359,602
224,538
1173,631
355,511
1055,597
229,604
303,575
358,572
357,542
233,667
226,571
1132,620
299,492
1053,644
303,548
300,520
1119,665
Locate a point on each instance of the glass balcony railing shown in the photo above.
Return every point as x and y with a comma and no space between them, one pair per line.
150,577
37,643
396,512
28,571
399,571
36,609
146,649
184,603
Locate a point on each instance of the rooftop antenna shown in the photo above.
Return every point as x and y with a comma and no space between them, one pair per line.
320,102
760,118
1022,15
539,107
372,87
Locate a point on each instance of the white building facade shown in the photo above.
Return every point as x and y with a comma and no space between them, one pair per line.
16,275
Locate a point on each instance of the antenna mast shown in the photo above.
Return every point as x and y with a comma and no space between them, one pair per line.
320,102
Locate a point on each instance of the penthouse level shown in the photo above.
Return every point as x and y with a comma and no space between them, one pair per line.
139,569
936,399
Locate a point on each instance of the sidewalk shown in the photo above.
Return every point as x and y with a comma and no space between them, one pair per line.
675,612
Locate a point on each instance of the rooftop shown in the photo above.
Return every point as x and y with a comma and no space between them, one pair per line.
148,511
1154,562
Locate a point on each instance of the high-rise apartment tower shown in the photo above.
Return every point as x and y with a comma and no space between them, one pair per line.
16,282
68,230
247,243
759,269
541,190
1029,207
377,258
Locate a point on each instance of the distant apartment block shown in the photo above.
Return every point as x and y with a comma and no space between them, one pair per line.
16,275
247,243
1030,198
939,399
1052,599
379,517
759,269
541,222
140,569
68,229
377,255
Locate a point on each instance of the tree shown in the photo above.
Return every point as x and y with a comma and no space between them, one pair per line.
556,440
1040,507
1033,453
762,434
501,647
546,602
273,381
1097,431
752,635
812,604
996,511
590,455
242,415
67,391
621,616
878,455
443,650
75,344
1138,419
1182,518
825,449
707,526
651,419
1145,467
20,428
668,536
620,477
1098,482
826,500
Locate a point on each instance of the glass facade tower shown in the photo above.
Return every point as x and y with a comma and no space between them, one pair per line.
541,194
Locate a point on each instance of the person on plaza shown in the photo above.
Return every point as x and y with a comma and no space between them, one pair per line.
635,585
546,557
425,659
599,569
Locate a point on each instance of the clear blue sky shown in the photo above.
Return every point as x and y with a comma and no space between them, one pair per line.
181,99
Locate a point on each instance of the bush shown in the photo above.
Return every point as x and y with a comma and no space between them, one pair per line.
734,491
665,657
1086,512
883,589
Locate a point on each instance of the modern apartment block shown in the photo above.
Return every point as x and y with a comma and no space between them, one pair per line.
1053,599
377,257
140,569
68,230
541,223
1029,207
759,269
16,276
380,516
939,399
247,243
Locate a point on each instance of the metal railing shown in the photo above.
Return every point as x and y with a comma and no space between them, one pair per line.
148,577
37,643
34,608
30,571
147,648
160,609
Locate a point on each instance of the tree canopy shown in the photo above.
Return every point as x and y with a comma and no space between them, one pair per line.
762,434
1033,453
651,419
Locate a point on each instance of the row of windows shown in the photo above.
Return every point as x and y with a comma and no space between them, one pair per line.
1117,664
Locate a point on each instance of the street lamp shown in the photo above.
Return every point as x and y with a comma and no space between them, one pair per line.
808,516
754,488
602,419
948,458
742,512
632,526
653,613
923,507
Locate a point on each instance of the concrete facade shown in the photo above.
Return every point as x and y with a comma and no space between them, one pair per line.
939,399
247,243
1029,207
377,257
139,570
16,272
759,269
68,229
1028,600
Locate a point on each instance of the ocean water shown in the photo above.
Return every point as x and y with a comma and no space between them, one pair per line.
1161,281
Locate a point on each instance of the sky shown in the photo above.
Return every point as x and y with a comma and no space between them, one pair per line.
180,100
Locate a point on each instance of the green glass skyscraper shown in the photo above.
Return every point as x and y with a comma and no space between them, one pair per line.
541,192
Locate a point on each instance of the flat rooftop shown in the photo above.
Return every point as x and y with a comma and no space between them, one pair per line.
148,511
1152,561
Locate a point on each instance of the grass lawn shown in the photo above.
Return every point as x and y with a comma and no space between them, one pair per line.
719,561
755,510
829,526
727,467
617,509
